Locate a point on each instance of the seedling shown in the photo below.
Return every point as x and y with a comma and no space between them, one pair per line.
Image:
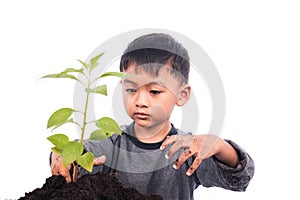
72,152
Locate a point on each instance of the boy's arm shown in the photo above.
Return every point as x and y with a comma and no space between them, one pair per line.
225,163
201,147
227,154
221,175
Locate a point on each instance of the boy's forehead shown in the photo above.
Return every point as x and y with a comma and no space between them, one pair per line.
143,77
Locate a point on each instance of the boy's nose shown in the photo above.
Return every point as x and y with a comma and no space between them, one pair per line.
141,100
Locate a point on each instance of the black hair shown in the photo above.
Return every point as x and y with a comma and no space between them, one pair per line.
152,51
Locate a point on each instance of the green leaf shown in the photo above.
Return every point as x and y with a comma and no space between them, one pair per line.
64,74
102,89
71,120
72,151
99,135
56,150
60,116
86,161
108,125
93,61
117,74
58,140
60,75
83,63
72,70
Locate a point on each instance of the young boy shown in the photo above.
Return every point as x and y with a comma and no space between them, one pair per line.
151,154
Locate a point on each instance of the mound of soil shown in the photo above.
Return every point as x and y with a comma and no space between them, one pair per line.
98,186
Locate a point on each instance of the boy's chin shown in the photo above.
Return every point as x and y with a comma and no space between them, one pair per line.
143,123
148,123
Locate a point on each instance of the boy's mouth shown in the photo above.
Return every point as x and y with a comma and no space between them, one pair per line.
141,115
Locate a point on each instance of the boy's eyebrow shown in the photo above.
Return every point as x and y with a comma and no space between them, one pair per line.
129,81
150,83
157,83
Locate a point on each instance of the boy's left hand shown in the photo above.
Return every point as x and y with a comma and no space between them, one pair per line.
199,146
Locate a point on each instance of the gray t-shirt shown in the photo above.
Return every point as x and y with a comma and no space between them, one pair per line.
144,167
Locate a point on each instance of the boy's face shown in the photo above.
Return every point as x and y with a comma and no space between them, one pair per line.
149,100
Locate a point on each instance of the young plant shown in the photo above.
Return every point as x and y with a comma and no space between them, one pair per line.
72,152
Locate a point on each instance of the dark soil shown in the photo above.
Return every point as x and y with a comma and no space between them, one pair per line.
98,186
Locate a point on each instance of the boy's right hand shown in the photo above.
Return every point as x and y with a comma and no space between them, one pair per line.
57,167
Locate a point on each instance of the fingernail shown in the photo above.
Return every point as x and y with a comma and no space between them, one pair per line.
101,159
174,166
166,156
188,173
161,148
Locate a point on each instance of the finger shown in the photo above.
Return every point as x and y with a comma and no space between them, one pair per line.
54,171
65,173
183,157
57,167
55,163
169,140
100,160
175,148
194,166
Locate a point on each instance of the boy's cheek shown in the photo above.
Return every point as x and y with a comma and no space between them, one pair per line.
126,102
158,110
125,98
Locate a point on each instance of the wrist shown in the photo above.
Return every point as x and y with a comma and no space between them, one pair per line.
226,153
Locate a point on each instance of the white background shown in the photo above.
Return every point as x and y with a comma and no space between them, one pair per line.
254,45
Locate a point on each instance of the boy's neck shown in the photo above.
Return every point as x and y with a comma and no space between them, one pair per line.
152,134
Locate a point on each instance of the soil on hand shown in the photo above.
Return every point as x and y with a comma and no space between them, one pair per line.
98,186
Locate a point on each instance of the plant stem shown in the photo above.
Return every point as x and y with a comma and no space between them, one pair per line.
75,172
85,109
75,165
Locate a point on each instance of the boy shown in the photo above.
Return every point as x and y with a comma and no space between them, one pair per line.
151,154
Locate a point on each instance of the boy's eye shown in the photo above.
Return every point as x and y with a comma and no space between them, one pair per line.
155,92
130,90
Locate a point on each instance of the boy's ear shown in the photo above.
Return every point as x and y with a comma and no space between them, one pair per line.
184,95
